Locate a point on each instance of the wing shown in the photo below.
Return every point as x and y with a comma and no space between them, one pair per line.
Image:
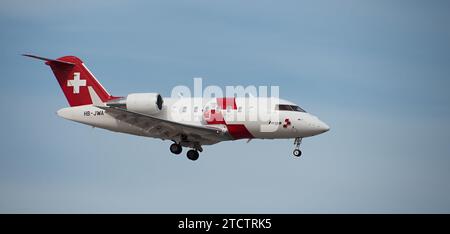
166,129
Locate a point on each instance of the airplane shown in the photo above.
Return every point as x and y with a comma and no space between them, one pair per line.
151,115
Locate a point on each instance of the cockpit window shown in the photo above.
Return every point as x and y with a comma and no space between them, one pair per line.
289,108
283,108
297,108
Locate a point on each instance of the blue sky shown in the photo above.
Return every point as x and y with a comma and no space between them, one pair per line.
376,71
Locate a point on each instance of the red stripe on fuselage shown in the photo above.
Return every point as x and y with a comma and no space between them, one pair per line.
238,131
223,103
213,117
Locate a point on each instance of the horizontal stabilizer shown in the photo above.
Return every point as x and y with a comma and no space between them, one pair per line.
49,60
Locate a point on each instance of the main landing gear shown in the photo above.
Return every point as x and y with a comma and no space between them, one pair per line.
176,148
191,154
297,152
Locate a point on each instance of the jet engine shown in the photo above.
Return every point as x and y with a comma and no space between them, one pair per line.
145,103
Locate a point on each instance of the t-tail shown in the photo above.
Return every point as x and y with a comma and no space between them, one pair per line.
78,84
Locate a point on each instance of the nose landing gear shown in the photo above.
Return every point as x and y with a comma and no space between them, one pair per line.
297,152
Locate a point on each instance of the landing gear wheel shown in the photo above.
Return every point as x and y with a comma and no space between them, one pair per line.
297,142
192,155
176,148
297,153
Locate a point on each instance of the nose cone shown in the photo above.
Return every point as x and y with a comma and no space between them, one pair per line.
318,127
309,125
323,127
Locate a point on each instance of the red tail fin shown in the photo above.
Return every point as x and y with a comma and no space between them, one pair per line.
75,78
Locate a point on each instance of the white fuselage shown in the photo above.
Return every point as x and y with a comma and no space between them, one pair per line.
245,118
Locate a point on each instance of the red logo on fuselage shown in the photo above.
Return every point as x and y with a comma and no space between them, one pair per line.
287,123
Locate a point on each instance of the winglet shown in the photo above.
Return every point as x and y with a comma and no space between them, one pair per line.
49,60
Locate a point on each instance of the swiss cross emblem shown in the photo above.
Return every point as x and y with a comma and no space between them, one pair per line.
76,83
287,123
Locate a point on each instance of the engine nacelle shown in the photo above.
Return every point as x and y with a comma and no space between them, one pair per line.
145,103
